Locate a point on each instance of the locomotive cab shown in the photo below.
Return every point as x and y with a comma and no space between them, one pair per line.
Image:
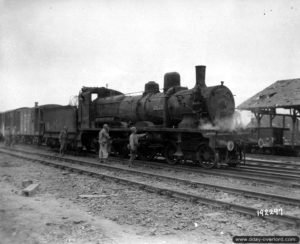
86,108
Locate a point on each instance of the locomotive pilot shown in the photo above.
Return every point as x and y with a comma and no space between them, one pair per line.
104,143
133,144
63,137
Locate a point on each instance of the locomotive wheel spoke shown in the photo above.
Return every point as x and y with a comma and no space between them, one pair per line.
206,157
169,154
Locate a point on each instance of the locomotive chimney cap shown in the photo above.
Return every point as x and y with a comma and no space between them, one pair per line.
200,75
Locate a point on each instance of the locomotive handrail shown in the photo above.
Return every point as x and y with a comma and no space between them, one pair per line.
179,130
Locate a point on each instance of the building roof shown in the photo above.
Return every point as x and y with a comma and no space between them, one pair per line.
281,94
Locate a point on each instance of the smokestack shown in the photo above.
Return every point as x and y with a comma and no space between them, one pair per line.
36,104
200,75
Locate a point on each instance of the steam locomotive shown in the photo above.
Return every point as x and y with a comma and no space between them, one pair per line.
175,121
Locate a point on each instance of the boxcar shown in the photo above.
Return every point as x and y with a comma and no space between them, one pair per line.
29,125
12,122
269,140
54,119
10,125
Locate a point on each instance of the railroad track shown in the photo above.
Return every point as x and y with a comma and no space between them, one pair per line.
76,165
272,169
273,158
263,176
284,170
273,164
258,176
269,172
265,168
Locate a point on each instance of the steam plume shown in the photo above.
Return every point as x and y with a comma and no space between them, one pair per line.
238,121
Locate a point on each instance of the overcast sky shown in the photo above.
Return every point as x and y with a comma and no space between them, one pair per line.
50,49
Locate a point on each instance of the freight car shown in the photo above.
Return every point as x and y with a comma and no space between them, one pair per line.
270,140
40,124
10,125
174,120
28,132
53,119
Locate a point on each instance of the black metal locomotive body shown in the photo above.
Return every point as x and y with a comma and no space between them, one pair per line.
174,120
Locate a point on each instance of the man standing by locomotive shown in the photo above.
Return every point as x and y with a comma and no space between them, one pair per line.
63,136
133,144
103,143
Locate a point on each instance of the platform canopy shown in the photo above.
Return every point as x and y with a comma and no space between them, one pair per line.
281,94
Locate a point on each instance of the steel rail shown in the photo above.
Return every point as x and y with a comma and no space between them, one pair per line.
264,163
282,162
253,176
166,191
244,192
259,170
286,169
283,174
275,165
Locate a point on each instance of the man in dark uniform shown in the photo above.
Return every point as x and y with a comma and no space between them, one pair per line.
63,137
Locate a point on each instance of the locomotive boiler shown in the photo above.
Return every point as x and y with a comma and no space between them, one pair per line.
173,120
